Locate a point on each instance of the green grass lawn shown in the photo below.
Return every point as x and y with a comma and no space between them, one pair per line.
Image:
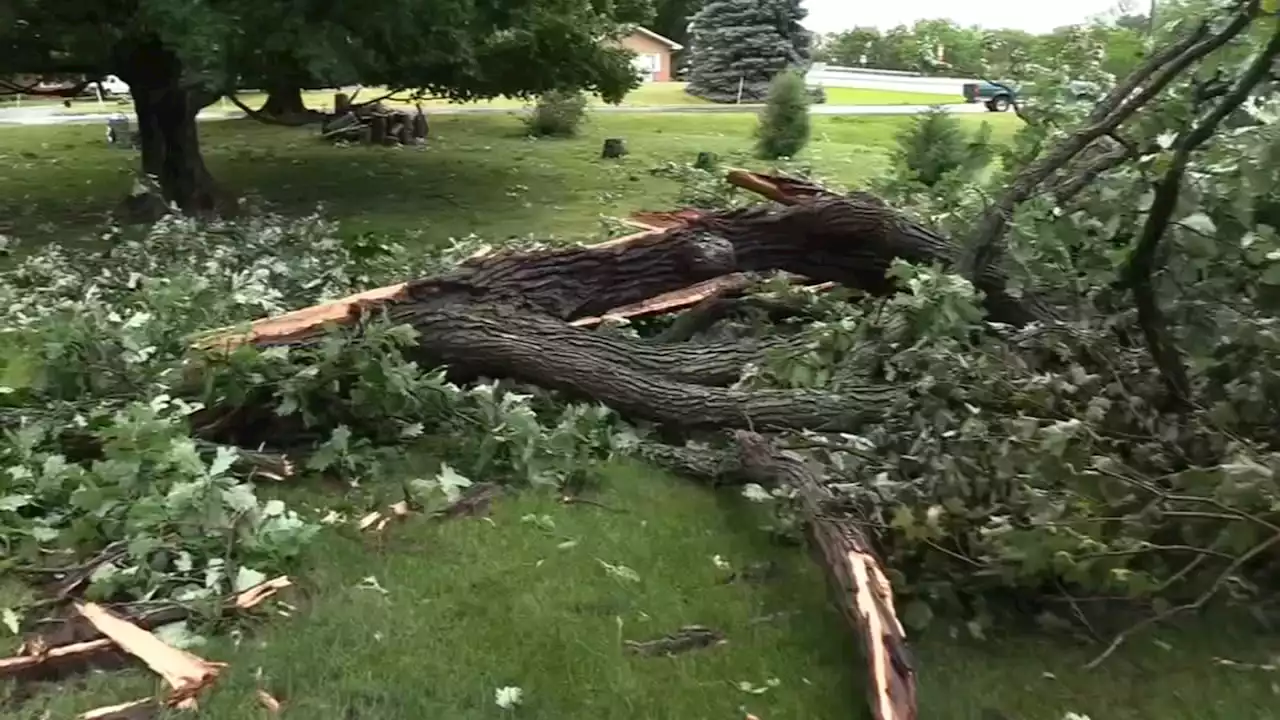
473,605
478,174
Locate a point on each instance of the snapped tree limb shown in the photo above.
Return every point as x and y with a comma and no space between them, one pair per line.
984,246
1142,262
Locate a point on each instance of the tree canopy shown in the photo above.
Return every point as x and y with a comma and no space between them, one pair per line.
180,56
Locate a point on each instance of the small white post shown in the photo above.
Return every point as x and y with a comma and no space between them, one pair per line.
742,79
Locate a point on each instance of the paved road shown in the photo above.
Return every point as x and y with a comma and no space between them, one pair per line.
45,115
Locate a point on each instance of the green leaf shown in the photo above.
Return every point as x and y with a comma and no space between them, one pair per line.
1200,223
11,620
247,578
13,503
451,482
222,461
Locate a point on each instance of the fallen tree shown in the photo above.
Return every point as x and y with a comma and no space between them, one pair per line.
915,437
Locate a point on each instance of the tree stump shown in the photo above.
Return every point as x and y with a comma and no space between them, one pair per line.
706,161
378,129
405,131
420,126
613,148
341,103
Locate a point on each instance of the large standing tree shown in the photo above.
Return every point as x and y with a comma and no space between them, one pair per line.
179,56
742,45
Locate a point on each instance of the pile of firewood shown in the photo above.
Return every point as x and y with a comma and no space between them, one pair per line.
373,123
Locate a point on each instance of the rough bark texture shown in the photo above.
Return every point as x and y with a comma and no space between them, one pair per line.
284,101
502,341
854,572
167,131
852,240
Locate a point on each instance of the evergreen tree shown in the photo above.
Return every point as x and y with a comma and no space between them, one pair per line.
745,43
784,122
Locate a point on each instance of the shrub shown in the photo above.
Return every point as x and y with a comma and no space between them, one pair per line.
784,123
558,113
936,145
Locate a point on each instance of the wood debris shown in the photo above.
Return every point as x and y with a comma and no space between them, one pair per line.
134,710
378,520
185,673
267,701
687,638
260,593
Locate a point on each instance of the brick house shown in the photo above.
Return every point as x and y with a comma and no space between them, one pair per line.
653,54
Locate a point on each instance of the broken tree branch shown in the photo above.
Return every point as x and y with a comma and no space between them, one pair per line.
1143,262
185,673
844,552
986,242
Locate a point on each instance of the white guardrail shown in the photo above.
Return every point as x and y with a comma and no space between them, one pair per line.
871,79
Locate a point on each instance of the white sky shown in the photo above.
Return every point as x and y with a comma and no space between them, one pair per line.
1031,15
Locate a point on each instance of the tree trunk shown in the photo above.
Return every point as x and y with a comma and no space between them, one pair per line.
284,100
170,140
854,572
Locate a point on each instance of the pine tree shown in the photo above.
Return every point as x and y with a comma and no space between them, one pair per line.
747,42
784,122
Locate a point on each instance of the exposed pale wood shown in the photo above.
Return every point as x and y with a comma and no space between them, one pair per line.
260,593
853,570
133,710
185,673
13,666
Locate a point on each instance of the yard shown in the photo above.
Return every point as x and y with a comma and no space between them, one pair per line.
427,623
648,95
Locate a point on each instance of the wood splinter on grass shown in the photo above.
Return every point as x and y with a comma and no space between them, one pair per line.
259,593
133,710
185,673
267,701
378,520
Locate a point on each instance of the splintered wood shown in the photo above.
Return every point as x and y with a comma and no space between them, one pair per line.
853,570
185,673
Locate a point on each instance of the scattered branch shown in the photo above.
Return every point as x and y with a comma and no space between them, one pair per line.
296,121
985,244
1142,262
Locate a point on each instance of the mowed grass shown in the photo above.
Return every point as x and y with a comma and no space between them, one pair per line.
524,598
429,620
477,174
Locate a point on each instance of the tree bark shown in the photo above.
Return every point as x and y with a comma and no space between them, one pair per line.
853,239
284,100
499,340
853,570
166,110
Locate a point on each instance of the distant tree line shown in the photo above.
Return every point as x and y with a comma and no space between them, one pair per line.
939,47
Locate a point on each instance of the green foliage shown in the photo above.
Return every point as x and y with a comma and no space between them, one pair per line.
114,433
559,113
738,46
941,47
461,50
936,146
1048,464
784,122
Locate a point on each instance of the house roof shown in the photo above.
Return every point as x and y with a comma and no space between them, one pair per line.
659,38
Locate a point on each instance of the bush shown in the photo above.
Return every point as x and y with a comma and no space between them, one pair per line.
558,113
784,123
935,145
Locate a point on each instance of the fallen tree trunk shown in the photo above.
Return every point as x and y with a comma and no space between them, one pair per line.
853,571
850,239
499,340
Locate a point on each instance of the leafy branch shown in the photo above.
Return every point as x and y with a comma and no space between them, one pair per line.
1142,263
